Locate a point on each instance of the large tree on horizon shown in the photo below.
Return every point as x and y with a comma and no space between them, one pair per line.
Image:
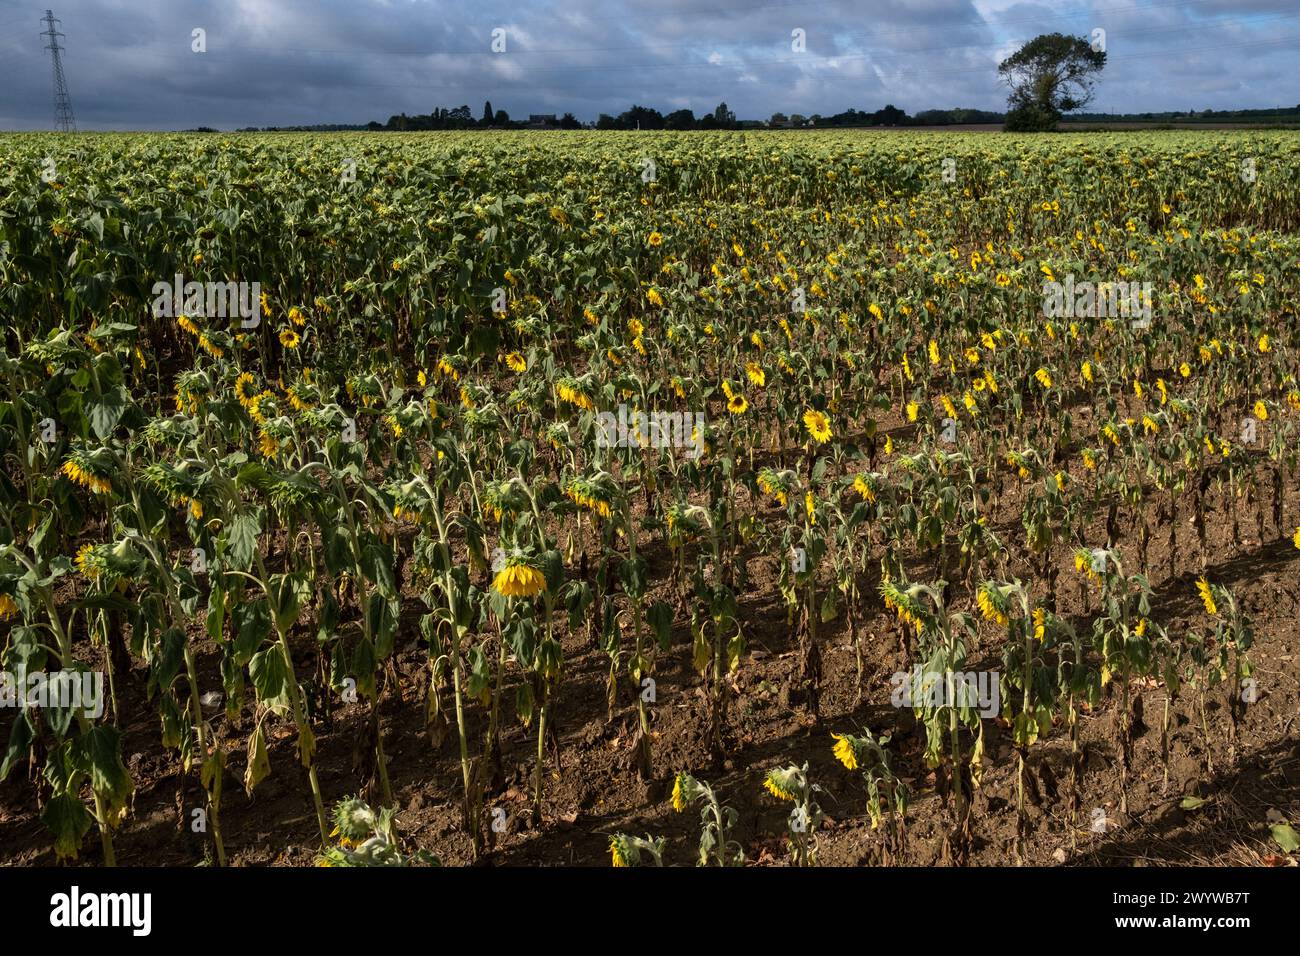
1050,75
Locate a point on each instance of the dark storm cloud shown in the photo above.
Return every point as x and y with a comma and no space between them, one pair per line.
278,62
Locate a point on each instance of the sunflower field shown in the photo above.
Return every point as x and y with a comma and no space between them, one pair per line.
430,499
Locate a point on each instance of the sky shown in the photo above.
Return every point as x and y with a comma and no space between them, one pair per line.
132,64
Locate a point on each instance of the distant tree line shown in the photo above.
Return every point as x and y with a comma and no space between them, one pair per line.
645,117
1278,114
891,115
638,117
723,118
461,117
1050,76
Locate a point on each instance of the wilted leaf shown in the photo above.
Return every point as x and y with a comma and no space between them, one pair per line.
259,764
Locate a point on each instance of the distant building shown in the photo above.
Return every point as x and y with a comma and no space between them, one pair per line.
542,120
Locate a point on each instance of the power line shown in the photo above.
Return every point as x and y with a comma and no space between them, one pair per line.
63,118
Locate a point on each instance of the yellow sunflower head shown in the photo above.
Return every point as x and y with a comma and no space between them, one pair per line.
844,751
818,425
519,579
1207,596
784,783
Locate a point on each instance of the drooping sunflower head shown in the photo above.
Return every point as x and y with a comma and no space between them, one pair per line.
866,485
992,603
594,495
575,392
409,501
519,579
502,497
681,519
622,852
785,783
214,344
1094,562
1206,591
449,366
776,483
904,602
354,820
191,389
686,789
302,396
845,750
90,470
557,435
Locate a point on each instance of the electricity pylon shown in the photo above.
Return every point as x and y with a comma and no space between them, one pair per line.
63,117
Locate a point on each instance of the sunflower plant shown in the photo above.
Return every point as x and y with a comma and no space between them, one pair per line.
717,821
887,793
791,784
